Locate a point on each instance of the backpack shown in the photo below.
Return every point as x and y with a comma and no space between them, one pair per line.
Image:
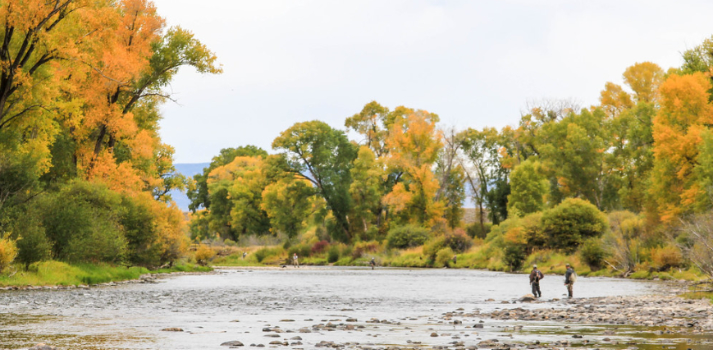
540,275
573,277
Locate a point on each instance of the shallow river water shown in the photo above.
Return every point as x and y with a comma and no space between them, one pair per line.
237,304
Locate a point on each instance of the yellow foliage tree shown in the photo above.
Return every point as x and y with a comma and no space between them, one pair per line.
684,114
414,144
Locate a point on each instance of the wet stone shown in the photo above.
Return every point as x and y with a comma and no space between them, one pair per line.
172,329
233,343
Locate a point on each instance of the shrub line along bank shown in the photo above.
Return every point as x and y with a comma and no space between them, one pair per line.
58,275
550,262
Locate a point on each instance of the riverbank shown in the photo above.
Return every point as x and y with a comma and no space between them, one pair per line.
548,261
59,275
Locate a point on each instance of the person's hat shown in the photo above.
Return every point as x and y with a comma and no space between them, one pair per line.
566,264
535,265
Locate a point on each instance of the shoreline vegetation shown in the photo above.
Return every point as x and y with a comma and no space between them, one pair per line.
60,275
550,263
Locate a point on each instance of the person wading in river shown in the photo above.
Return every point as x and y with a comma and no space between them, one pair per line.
295,262
372,263
569,277
535,277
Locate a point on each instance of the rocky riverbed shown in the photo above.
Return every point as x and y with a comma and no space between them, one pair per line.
652,310
353,309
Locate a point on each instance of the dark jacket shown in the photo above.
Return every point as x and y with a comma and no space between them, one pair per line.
567,275
535,276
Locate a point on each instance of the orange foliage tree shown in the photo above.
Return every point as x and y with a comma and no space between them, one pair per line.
684,114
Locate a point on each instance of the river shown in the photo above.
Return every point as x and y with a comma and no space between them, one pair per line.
238,304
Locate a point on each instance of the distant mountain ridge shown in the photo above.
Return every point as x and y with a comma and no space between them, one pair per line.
189,170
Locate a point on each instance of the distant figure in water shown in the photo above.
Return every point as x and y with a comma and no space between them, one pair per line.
569,277
244,255
295,262
455,260
372,263
535,277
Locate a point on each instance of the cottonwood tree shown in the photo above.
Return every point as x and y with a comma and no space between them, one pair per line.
323,156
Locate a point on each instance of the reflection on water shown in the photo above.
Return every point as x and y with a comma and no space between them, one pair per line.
237,304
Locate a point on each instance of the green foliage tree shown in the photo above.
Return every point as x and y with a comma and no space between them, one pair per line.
366,191
485,172
323,156
528,188
288,203
573,150
454,196
571,222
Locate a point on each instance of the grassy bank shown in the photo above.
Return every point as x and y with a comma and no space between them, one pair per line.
478,257
55,273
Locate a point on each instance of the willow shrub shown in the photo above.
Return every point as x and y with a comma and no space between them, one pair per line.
8,252
407,236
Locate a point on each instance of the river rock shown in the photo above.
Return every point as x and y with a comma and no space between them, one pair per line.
172,329
527,298
232,343
42,346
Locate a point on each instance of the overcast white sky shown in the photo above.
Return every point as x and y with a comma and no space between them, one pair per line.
475,63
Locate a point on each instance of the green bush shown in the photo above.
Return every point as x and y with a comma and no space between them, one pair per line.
433,246
33,245
444,257
302,251
592,253
82,222
514,256
407,236
475,230
571,222
265,252
333,254
141,233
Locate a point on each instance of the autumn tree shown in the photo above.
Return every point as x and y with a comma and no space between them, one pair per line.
81,83
199,193
376,124
644,79
414,145
288,203
679,126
